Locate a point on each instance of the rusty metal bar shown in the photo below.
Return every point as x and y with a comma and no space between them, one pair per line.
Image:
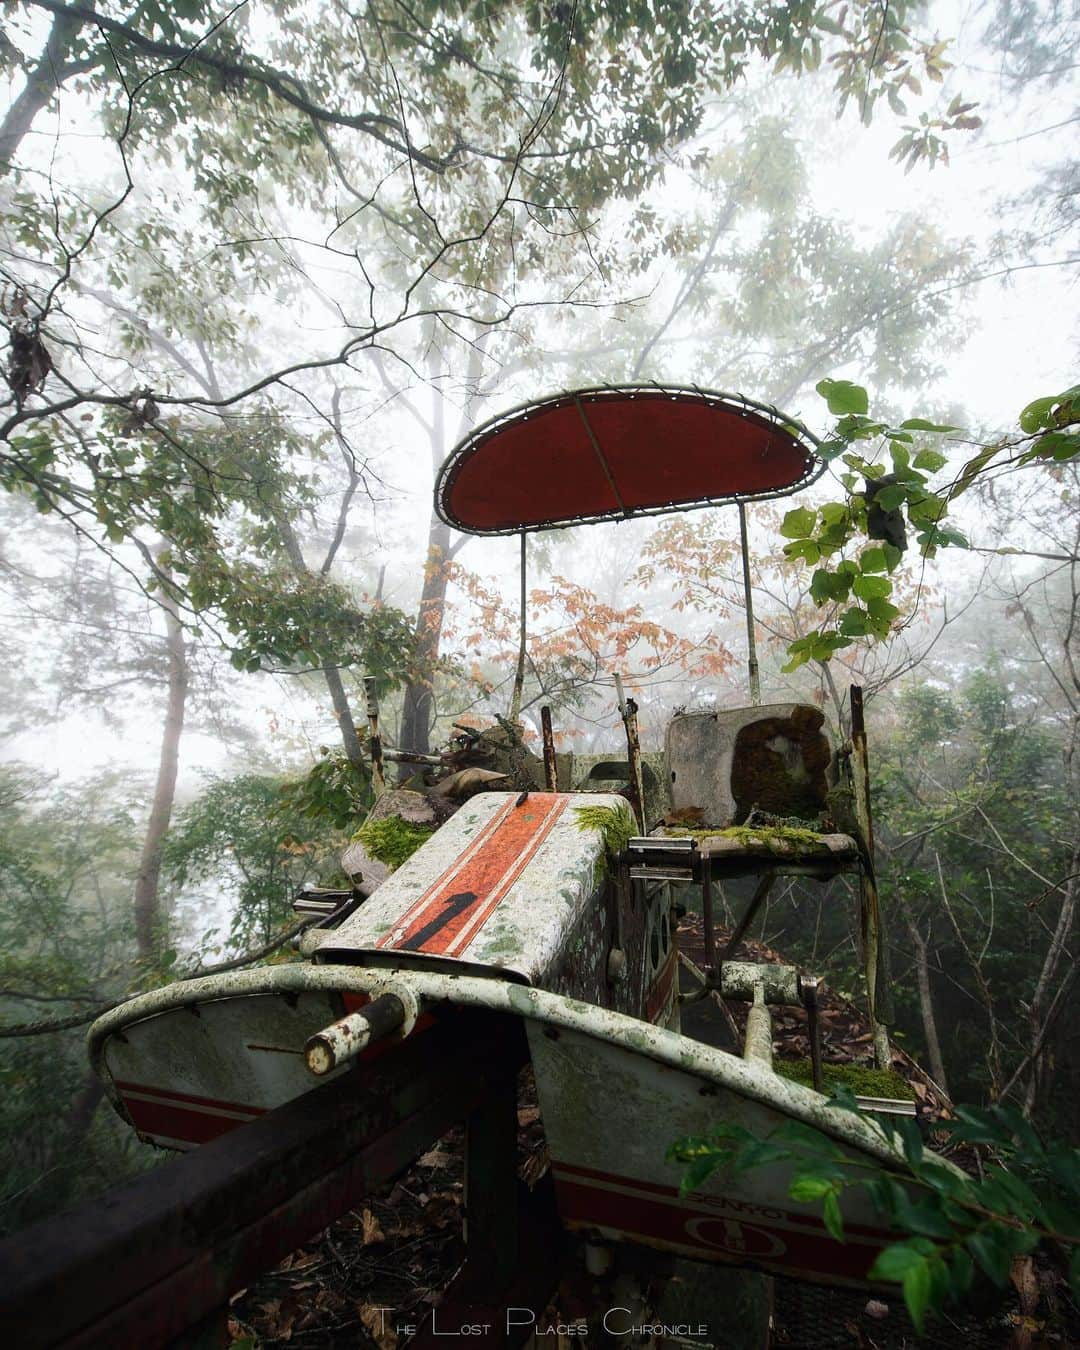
411,757
761,892
877,993
551,772
523,625
601,457
628,710
748,598
351,1035
707,916
378,774
758,1044
153,1258
808,987
491,1218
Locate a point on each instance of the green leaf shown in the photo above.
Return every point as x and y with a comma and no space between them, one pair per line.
831,1214
872,588
701,1169
881,611
931,460
798,524
802,548
921,424
873,560
963,1270
889,498
916,1285
1036,415
894,1262
912,1141
991,1253
973,468
854,623
843,397
807,1188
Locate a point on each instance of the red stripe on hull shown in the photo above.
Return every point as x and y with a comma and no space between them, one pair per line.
163,1120
744,1233
171,1095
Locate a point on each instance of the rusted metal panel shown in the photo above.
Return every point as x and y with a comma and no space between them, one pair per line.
187,1078
501,885
726,762
154,1257
610,1114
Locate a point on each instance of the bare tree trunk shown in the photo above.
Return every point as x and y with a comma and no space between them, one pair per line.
148,918
416,716
1038,1010
926,1000
354,751
42,82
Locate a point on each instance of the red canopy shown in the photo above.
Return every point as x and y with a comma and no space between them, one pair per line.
605,454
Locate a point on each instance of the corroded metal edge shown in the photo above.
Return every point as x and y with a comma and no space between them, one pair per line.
754,1081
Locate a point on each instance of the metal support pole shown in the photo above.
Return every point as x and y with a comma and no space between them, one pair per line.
707,916
551,772
351,1035
808,988
519,674
748,598
628,712
764,886
491,1202
378,774
758,1044
877,992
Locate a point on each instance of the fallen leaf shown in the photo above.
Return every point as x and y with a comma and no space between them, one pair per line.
379,1323
372,1230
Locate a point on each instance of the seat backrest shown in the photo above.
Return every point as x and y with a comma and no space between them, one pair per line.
724,763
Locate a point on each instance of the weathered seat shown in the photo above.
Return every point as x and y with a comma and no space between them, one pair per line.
722,764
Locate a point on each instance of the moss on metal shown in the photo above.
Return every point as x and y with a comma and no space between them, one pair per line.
616,826
759,836
860,1078
392,840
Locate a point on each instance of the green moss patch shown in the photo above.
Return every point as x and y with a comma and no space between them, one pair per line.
392,840
759,836
616,825
861,1079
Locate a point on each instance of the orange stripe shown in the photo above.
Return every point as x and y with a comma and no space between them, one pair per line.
395,935
486,872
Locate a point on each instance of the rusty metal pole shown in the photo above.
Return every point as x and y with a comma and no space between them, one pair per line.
748,598
551,771
628,711
877,994
707,917
378,773
519,674
808,988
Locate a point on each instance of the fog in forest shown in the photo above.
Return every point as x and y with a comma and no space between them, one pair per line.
265,266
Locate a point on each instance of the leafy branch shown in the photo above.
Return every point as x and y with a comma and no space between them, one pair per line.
882,506
950,1224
